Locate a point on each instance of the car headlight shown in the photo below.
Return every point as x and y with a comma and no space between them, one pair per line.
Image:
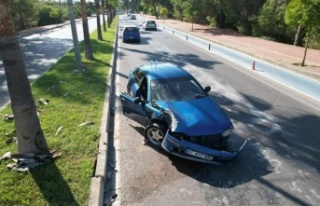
227,132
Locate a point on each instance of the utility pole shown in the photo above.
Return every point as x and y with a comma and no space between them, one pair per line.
75,37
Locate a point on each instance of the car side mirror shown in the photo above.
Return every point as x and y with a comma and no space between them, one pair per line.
207,89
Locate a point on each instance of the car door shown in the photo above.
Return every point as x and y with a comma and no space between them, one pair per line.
134,108
135,100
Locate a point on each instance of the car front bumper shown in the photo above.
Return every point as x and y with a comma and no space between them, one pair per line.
195,152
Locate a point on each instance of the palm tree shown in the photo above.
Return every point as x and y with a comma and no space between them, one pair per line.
103,16
97,3
87,44
30,136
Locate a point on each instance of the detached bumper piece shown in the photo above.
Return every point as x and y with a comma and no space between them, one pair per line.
195,152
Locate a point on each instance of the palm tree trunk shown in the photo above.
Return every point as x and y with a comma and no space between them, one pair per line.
29,133
87,43
103,16
99,33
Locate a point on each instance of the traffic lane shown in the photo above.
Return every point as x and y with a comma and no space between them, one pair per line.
42,51
256,161
142,159
282,120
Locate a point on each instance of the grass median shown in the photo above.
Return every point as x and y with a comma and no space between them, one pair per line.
73,98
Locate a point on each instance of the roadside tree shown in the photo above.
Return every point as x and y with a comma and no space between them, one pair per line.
271,22
30,136
87,43
304,14
98,10
25,18
164,13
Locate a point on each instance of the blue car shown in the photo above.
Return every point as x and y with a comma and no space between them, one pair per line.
178,114
131,34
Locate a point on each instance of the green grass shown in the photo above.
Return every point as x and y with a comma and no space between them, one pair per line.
74,98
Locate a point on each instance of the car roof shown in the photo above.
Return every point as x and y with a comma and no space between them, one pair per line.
129,26
164,71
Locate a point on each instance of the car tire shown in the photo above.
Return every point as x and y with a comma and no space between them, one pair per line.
155,133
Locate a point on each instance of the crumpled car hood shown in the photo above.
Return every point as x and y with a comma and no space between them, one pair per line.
197,117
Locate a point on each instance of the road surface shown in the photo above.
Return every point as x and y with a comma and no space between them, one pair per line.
278,166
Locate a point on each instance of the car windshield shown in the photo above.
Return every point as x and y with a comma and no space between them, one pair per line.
177,89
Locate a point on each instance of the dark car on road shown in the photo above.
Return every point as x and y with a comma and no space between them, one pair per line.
133,17
130,33
178,114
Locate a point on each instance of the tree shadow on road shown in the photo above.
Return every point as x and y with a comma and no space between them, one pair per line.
175,58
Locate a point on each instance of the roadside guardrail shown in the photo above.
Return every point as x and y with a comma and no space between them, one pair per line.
296,81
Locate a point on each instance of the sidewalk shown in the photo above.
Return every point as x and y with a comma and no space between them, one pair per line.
284,55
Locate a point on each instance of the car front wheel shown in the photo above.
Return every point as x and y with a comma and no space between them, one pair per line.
155,133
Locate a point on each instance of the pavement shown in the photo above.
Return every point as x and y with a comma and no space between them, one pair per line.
283,55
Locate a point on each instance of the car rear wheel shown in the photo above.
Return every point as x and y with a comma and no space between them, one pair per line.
155,133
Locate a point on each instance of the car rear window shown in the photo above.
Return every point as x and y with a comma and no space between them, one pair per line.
151,22
131,29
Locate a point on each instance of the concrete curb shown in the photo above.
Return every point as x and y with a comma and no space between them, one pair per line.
98,180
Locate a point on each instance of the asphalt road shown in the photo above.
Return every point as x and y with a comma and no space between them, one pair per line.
40,52
278,166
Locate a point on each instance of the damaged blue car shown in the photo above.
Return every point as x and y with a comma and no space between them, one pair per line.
178,114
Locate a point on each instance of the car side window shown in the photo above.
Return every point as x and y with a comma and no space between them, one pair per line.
141,81
138,76
144,89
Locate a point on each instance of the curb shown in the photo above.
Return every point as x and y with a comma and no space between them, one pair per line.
97,184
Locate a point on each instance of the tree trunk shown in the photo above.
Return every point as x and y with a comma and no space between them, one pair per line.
30,136
306,48
192,23
109,15
22,24
155,11
97,2
103,16
298,37
87,43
